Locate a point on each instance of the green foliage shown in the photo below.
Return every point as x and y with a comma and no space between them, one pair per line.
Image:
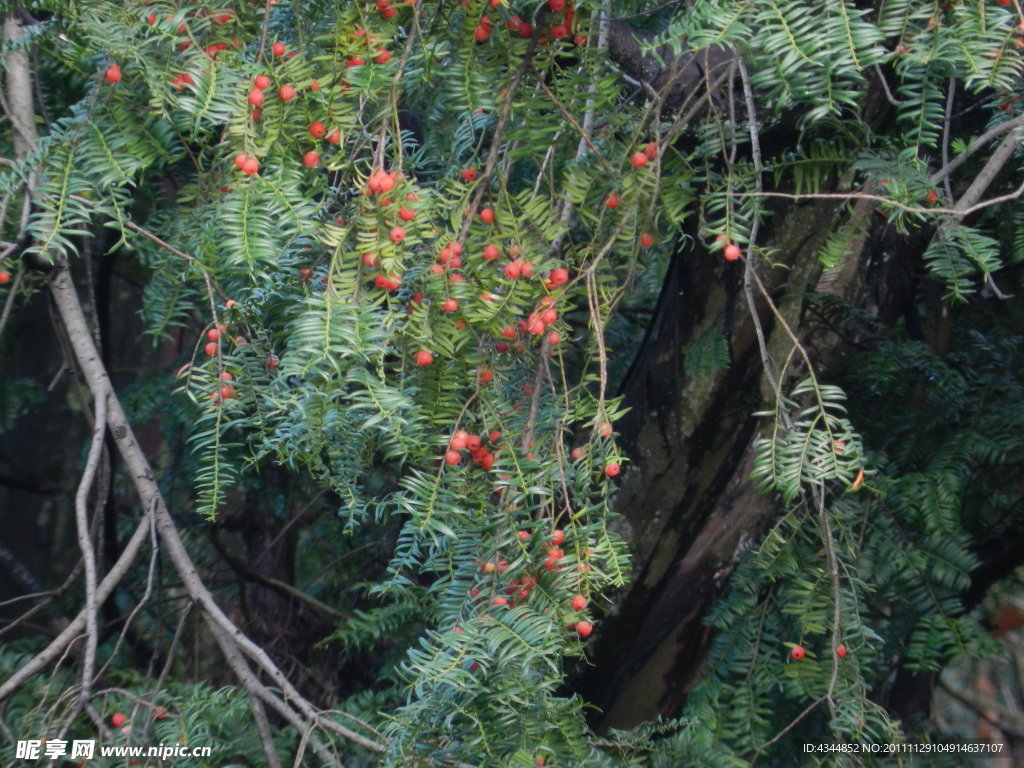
306,314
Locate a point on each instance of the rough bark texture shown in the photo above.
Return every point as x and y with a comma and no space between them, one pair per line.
693,510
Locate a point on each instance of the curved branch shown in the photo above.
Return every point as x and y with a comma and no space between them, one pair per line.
95,374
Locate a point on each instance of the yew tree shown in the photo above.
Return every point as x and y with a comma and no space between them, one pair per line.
508,382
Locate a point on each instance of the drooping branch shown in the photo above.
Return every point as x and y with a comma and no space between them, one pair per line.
297,708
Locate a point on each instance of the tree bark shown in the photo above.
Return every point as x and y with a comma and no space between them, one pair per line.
692,510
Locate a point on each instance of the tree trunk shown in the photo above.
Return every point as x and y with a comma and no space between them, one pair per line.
691,509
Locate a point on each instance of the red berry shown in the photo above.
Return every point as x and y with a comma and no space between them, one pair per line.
256,97
556,6
311,158
113,74
397,234
584,628
317,129
5,276
646,240
798,652
579,602
651,150
612,201
482,33
559,31
491,252
524,535
240,159
732,252
278,49
559,276
273,361
554,338
262,82
557,537
315,85
469,174
841,651
250,167
118,719
213,334
334,137
612,468
451,458
406,214
383,57
424,358
370,259
286,93
487,215
499,601
449,305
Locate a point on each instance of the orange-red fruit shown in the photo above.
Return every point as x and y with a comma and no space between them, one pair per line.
118,719
798,652
317,129
841,651
557,536
334,137
612,468
612,201
449,305
554,338
250,167
286,93
5,276
732,252
383,57
639,159
424,358
256,97
311,158
278,49
213,334
584,628
240,159
579,602
556,6
646,240
261,82
458,441
487,215
113,74
491,252
397,234
406,214
273,361
651,150
453,457
469,174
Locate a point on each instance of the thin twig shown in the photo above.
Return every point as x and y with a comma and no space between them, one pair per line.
99,432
